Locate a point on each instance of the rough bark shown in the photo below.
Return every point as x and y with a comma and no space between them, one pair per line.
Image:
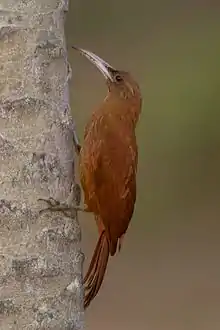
41,260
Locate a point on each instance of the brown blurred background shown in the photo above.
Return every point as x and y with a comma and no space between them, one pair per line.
167,276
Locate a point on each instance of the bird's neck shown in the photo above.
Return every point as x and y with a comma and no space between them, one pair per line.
127,109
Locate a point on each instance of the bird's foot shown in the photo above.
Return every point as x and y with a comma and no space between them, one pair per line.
76,143
56,206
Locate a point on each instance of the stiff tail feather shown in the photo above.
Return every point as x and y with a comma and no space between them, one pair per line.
93,262
95,274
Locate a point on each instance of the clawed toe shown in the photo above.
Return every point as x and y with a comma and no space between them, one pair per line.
56,206
44,210
51,201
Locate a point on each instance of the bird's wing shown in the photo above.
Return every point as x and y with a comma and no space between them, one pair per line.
115,180
108,164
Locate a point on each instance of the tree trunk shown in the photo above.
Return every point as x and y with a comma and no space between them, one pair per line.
41,261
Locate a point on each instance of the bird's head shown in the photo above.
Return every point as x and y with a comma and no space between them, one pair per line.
119,82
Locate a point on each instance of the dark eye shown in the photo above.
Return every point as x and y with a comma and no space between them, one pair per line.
118,78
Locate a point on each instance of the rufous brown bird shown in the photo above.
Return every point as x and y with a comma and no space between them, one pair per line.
108,164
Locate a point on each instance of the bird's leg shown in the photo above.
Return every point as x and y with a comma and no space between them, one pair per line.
56,206
76,143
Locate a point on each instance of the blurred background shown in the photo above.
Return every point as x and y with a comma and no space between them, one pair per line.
167,276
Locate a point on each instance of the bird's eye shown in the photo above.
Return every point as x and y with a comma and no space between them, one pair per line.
118,78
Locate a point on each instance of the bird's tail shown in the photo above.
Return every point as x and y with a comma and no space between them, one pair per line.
96,271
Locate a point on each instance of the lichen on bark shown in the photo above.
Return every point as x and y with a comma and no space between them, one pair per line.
41,260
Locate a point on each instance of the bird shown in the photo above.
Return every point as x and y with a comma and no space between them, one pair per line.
108,160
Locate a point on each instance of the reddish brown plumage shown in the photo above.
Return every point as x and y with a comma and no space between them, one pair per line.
108,165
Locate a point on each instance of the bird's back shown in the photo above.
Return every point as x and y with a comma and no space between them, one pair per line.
108,163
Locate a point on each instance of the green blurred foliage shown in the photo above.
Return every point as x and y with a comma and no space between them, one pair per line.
173,50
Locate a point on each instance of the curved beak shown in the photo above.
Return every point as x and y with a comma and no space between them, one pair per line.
105,68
